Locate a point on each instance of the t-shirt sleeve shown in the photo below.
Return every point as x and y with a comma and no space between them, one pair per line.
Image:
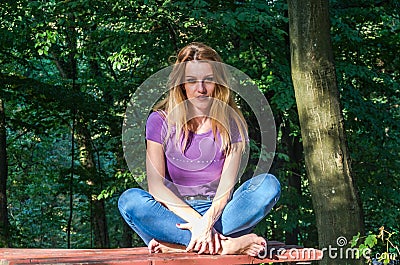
155,127
234,132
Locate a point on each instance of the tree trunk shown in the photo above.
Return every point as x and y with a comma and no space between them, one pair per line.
126,239
98,212
3,179
295,152
334,195
68,68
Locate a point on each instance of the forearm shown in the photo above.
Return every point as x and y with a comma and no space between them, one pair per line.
155,169
165,196
225,188
216,209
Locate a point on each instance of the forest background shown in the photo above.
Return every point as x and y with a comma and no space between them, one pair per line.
69,69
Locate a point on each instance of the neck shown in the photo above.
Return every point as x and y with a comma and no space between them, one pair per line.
200,124
200,120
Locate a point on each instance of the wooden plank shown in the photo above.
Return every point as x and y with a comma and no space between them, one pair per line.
73,256
36,252
140,256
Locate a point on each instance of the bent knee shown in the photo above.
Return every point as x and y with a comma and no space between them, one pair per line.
270,185
273,183
132,198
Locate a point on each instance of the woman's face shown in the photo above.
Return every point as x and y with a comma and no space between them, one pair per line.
199,81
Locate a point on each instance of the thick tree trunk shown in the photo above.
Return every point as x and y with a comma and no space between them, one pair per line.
335,199
3,179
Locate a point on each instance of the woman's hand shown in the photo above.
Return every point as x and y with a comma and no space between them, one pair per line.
204,238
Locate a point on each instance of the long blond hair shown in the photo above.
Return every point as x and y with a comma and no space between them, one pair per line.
222,108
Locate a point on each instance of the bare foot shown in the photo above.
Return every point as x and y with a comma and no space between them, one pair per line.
164,247
250,244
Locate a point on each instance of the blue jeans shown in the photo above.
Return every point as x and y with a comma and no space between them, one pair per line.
250,203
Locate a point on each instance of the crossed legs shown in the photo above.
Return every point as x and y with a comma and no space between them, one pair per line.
156,225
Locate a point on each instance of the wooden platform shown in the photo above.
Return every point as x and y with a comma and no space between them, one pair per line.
140,256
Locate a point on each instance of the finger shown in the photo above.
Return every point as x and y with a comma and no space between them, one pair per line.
203,248
217,241
222,237
186,226
191,245
197,246
211,247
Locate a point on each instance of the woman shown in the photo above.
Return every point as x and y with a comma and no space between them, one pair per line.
195,139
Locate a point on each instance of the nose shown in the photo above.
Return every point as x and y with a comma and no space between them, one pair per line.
201,87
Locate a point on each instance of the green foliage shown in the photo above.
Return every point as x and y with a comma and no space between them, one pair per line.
377,247
118,44
365,37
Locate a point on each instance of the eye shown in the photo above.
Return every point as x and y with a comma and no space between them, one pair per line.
191,81
209,80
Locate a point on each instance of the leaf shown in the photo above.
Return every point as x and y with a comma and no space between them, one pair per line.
355,239
371,241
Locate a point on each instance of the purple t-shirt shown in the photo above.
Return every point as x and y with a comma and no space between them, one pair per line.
195,171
